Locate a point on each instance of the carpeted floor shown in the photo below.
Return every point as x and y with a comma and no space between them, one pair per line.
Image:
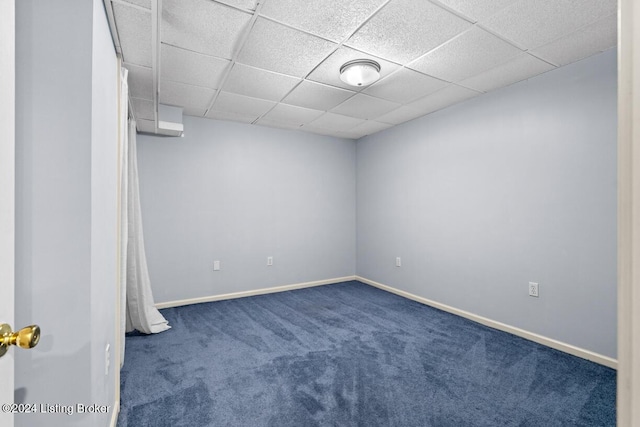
351,355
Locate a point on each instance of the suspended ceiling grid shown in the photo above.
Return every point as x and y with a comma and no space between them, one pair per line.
276,62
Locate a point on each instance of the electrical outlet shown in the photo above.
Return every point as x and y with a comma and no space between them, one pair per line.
216,265
269,260
533,290
398,262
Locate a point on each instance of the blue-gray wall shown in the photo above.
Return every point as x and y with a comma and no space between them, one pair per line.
238,193
66,207
514,186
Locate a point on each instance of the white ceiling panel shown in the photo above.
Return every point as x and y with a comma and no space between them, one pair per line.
476,9
335,122
329,70
520,68
259,83
400,115
443,98
182,95
275,47
331,19
534,23
195,112
369,127
234,117
142,3
134,32
587,41
147,126
292,115
241,4
140,81
469,54
143,108
240,104
406,29
184,66
405,86
365,107
317,96
276,124
203,26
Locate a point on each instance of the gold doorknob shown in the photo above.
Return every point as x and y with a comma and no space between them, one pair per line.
25,338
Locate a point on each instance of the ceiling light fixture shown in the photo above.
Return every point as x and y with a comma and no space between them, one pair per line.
360,72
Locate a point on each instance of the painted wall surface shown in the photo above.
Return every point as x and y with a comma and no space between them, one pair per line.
514,186
239,194
65,208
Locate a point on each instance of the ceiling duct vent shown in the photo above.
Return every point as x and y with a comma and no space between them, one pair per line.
170,120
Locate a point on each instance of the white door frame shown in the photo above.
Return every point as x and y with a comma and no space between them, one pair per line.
628,213
7,194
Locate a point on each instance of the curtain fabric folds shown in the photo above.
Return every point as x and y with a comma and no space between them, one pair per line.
123,123
141,311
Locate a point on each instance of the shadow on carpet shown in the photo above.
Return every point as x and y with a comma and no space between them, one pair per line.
351,355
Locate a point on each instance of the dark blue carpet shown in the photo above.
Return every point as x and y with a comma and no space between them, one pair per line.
351,355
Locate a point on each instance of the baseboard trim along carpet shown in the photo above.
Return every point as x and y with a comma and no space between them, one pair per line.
262,291
540,339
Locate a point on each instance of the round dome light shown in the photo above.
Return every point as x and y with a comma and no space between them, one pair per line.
360,72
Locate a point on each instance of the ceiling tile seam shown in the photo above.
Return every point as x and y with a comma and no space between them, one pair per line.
156,18
131,5
530,53
113,28
453,11
339,45
240,9
502,37
195,51
235,55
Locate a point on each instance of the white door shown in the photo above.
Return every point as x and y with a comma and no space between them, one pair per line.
7,194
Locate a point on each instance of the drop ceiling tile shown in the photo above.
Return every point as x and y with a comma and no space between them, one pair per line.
276,124
140,81
331,19
240,104
520,68
443,98
184,66
143,109
292,115
241,4
477,9
147,126
405,86
275,47
406,29
203,26
195,112
335,122
365,107
532,24
134,32
400,115
369,127
587,41
328,71
142,3
186,96
468,54
259,83
323,131
317,96
234,117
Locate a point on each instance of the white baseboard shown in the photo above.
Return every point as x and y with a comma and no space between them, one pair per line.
262,291
114,413
549,342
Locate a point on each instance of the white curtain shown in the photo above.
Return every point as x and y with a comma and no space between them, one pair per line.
141,311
